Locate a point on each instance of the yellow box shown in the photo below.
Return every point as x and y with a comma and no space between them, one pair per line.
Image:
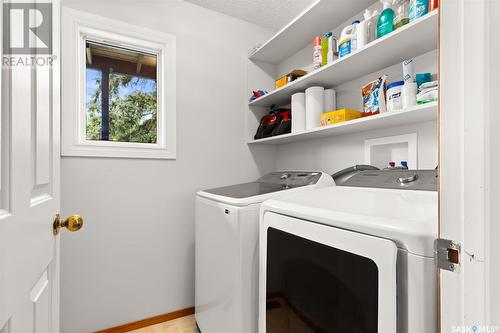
338,116
281,81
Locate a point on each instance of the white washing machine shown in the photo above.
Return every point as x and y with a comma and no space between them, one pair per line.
226,242
351,258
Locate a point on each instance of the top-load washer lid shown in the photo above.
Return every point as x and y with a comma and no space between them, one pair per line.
267,186
407,217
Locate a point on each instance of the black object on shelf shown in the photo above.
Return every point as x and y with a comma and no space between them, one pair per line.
277,122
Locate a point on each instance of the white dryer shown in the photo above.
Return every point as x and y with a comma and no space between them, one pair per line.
351,258
226,248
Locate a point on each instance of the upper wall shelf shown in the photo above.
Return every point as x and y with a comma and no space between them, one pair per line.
409,41
320,17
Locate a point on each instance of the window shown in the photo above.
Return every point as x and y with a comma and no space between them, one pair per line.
121,94
123,102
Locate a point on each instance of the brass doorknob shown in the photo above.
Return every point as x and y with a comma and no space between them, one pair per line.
72,223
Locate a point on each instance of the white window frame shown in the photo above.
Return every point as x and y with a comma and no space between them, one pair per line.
79,27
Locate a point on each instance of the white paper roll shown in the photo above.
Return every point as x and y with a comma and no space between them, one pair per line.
330,102
298,112
314,106
409,94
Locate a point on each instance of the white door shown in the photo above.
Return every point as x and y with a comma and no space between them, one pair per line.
29,174
469,155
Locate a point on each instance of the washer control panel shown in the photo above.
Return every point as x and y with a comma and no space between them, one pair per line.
420,180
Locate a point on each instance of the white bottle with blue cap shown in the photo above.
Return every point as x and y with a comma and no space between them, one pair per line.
348,40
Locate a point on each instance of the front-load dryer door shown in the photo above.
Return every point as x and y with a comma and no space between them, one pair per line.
317,278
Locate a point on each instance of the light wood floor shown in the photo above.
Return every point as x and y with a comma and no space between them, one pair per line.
180,325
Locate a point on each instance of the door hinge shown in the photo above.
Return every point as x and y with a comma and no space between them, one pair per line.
447,254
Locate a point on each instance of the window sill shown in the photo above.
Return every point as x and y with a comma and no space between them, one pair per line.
119,150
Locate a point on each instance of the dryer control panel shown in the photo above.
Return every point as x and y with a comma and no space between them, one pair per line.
419,180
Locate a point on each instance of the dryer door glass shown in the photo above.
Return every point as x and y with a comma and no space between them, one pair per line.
313,287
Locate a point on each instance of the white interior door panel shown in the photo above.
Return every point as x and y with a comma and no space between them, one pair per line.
29,183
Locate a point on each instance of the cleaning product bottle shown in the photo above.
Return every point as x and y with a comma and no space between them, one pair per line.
385,23
366,29
371,18
433,5
417,9
332,49
324,48
401,13
362,34
348,40
317,52
391,166
354,36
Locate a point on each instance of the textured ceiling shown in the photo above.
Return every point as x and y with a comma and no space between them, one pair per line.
272,14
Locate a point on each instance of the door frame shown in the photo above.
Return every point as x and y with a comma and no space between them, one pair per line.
55,268
467,135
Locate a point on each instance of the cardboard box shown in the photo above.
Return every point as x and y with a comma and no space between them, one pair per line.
292,76
339,116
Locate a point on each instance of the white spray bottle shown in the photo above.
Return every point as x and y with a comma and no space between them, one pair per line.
371,17
366,29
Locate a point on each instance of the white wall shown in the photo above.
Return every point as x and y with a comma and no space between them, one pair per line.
335,153
134,257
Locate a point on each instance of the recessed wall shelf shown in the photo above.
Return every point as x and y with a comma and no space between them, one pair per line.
320,17
416,114
413,39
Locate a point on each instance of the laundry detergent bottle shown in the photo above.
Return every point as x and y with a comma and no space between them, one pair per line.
348,40
417,9
385,23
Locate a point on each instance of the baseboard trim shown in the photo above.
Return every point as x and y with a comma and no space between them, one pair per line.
149,321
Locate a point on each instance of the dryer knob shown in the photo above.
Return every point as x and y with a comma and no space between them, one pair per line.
407,180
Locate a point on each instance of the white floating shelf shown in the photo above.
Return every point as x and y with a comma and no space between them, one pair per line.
319,18
416,114
413,39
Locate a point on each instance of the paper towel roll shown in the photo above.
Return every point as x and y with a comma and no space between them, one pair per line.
314,106
409,94
298,112
330,102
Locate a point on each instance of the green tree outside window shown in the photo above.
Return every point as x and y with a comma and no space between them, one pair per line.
132,108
